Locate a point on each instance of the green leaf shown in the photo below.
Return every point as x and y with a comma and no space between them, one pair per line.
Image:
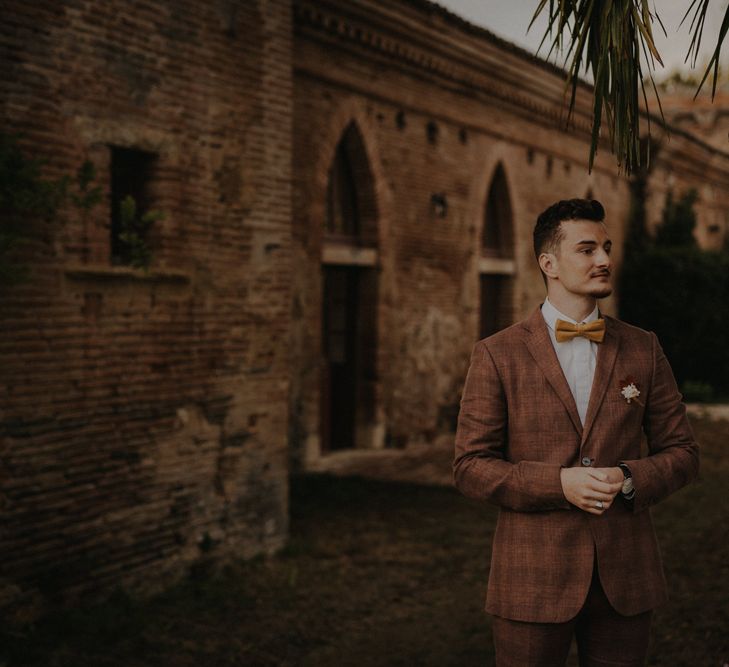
127,212
85,174
606,38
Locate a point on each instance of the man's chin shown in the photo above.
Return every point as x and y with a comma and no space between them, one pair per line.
601,292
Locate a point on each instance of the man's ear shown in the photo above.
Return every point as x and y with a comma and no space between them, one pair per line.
548,264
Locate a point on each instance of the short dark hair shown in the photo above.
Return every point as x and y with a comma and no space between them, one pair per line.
547,231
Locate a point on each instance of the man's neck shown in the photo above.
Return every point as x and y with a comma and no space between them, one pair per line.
577,307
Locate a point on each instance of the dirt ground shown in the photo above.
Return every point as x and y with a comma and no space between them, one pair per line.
384,573
419,464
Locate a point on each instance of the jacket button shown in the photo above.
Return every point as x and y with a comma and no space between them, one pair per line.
586,461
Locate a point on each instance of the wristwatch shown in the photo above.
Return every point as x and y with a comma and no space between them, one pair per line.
628,490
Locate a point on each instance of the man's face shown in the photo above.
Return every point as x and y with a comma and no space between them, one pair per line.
582,262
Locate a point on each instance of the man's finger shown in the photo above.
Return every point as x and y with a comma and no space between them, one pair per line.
610,488
602,497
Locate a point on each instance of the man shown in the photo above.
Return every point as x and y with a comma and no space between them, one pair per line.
550,430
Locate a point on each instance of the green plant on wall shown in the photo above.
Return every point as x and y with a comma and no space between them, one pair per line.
27,198
86,197
134,233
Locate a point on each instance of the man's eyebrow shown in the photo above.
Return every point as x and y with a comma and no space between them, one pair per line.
590,242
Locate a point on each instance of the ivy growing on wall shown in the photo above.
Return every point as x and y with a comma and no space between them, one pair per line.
27,199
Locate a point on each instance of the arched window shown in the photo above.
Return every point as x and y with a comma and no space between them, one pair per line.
350,212
342,210
497,238
496,263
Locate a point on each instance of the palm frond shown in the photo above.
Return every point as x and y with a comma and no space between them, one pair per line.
700,8
606,38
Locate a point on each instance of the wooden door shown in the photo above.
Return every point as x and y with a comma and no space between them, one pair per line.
340,372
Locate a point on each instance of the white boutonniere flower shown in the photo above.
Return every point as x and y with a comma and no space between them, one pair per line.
630,391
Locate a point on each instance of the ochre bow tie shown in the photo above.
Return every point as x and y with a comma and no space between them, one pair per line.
594,331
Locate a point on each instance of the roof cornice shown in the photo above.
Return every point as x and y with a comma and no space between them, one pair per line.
427,39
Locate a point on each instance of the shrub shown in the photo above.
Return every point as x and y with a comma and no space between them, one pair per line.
677,290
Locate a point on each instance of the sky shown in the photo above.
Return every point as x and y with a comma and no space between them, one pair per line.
510,18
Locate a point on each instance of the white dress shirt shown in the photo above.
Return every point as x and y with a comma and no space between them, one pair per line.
577,357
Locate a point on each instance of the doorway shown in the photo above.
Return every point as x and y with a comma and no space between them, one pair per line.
339,387
348,338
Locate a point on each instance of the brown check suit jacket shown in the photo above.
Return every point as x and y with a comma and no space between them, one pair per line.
518,425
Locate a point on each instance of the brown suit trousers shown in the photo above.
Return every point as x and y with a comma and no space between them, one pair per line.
518,426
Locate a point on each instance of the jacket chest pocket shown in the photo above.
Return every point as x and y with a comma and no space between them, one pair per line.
617,408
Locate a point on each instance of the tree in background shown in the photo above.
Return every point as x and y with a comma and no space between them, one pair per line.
670,286
678,223
607,40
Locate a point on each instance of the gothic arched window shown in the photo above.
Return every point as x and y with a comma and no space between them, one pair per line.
497,237
342,200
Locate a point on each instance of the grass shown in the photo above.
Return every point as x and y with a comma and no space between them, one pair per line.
379,573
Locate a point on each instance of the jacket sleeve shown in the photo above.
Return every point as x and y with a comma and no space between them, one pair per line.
673,454
480,468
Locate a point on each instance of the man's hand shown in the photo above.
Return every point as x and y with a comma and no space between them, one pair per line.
586,487
613,474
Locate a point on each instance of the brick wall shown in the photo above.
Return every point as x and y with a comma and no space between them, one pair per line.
439,105
143,416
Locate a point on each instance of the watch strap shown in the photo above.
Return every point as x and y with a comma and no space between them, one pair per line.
627,490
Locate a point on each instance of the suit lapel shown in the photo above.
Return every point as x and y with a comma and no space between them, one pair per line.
606,354
540,346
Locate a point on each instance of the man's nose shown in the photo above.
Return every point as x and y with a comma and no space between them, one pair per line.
602,258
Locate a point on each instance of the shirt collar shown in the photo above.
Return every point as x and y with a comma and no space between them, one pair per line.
551,315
